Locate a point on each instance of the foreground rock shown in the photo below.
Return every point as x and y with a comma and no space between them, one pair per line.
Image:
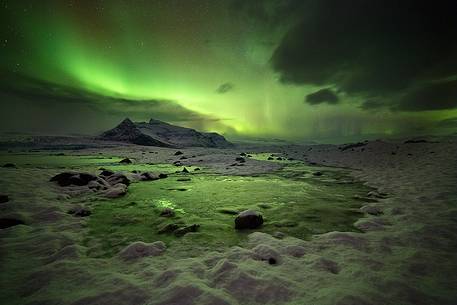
248,219
140,249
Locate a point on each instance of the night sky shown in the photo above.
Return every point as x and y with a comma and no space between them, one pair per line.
300,70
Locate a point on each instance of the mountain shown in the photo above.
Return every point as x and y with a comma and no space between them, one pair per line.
158,133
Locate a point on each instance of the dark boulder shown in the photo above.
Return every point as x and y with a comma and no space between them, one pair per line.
118,178
9,222
106,173
73,178
126,161
168,228
4,198
248,219
184,230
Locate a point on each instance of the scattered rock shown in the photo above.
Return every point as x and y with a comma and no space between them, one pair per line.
279,235
279,158
73,178
317,174
372,210
168,228
9,222
106,173
184,170
79,211
177,163
118,178
183,231
147,176
196,169
116,191
183,158
126,161
248,219
4,198
266,253
163,176
243,154
9,165
240,159
167,212
140,249
178,153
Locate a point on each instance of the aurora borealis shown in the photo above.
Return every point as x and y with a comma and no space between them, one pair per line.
300,70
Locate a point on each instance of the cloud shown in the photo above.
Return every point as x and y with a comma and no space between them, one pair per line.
64,108
224,88
374,50
322,96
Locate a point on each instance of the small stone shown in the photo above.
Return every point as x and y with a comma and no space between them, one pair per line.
167,212
168,228
317,174
106,173
79,211
4,198
126,161
183,231
248,219
178,153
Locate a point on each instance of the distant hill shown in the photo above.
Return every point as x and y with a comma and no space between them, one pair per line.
158,133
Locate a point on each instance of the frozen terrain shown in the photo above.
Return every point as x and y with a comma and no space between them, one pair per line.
370,223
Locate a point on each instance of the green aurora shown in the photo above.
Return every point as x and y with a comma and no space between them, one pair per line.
209,57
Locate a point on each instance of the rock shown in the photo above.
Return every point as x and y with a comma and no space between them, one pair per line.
4,198
178,153
196,169
163,176
317,174
183,231
73,178
364,199
9,165
376,194
116,191
126,161
243,154
177,163
168,228
183,158
80,211
248,219
118,178
167,212
372,210
279,158
140,249
184,170
147,176
266,253
106,173
9,222
240,159
279,235
183,179
326,265
270,158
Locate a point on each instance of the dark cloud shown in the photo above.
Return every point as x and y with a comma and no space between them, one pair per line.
224,88
53,107
322,96
374,49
